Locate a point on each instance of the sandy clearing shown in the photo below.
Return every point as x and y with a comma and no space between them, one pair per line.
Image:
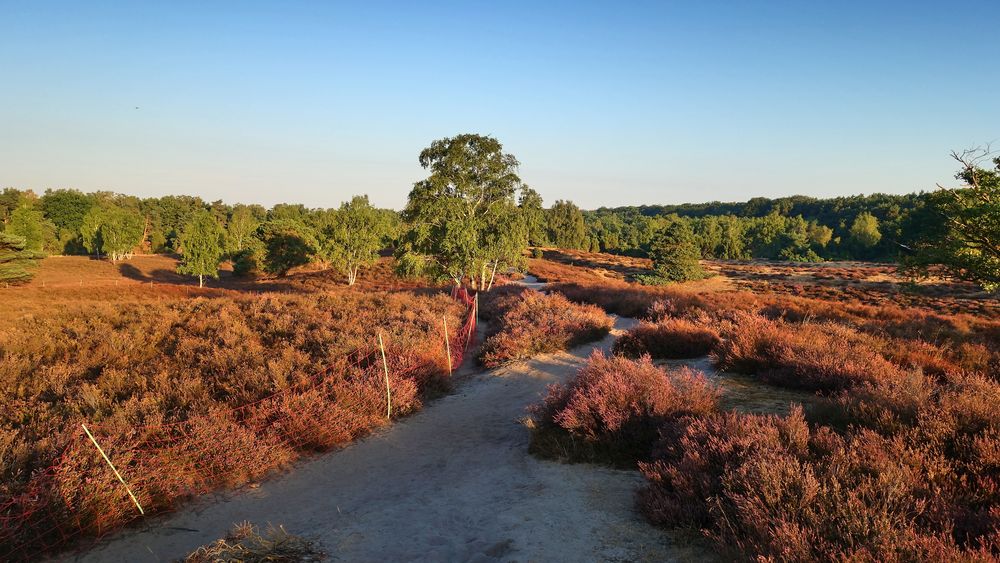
451,483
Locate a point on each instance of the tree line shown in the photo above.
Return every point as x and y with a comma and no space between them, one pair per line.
473,216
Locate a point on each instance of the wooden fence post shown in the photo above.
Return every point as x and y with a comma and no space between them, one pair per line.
385,367
447,345
117,474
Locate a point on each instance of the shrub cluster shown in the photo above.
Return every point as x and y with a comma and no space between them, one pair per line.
671,338
528,323
611,411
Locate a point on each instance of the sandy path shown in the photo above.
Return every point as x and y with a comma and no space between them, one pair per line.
451,483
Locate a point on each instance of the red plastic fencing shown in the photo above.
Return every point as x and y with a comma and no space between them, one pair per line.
79,497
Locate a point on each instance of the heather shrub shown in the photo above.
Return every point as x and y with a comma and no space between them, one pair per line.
770,488
669,338
822,357
611,411
190,395
528,323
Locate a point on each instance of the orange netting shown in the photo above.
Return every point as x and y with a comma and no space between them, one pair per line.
79,496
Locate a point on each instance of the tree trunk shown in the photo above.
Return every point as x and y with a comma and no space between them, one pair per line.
493,275
201,280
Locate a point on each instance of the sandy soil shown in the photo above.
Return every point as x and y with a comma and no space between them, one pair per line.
452,483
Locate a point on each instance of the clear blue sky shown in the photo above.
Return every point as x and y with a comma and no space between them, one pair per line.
605,103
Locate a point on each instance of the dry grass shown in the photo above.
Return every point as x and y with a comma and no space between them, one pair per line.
246,544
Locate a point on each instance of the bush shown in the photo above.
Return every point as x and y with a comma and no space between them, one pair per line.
530,323
669,338
771,488
612,410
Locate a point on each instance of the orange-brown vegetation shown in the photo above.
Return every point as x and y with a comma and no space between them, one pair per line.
528,323
189,389
668,338
899,462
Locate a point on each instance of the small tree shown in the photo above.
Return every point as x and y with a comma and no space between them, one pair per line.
567,228
287,244
864,230
240,230
354,237
30,224
202,246
675,254
112,231
17,262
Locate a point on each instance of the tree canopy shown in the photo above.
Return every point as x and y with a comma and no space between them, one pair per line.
463,217
961,226
17,261
354,236
202,244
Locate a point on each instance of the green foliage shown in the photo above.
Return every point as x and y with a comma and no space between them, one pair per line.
11,199
463,218
66,208
202,245
240,229
675,254
30,224
959,229
112,231
17,261
567,228
287,244
354,237
864,230
530,203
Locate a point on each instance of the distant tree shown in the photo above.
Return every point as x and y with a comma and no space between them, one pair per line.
287,244
112,231
354,237
819,235
66,208
30,224
567,228
530,203
240,229
675,253
960,227
462,215
17,262
864,230
11,199
202,244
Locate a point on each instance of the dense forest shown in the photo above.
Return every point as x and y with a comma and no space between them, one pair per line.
799,228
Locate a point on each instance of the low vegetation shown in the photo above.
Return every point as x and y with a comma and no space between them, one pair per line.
192,393
246,544
670,338
612,410
529,323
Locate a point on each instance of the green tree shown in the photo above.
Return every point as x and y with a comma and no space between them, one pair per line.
17,261
959,229
354,237
462,215
530,203
240,230
112,231
675,253
66,208
30,224
567,228
864,230
287,244
202,244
